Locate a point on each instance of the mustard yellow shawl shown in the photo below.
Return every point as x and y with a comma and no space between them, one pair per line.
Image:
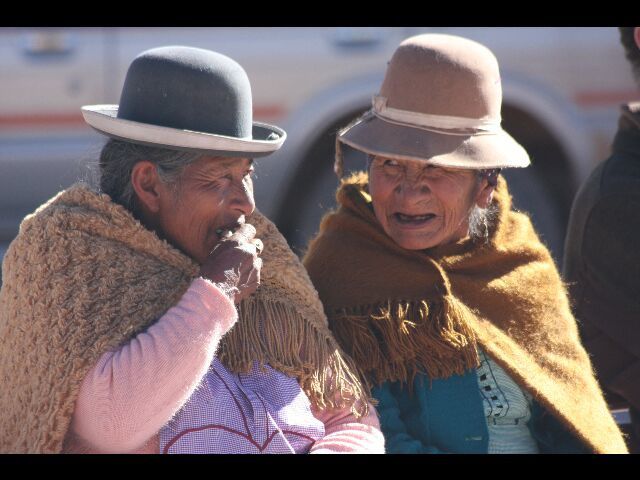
399,312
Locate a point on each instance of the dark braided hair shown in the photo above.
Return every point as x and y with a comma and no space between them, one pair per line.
631,50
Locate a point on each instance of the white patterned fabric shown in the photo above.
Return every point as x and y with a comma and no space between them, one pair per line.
263,411
507,408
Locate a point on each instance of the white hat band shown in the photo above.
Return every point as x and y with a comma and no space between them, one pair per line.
429,122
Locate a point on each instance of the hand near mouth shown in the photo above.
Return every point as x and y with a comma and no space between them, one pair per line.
233,264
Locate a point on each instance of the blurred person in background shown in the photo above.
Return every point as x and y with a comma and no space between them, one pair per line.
118,323
442,293
602,260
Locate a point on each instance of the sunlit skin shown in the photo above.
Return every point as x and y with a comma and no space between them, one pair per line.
422,206
212,193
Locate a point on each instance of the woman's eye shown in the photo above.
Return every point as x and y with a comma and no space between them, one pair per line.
433,170
214,185
221,180
391,166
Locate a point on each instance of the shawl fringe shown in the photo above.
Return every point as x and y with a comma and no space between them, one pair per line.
389,347
273,333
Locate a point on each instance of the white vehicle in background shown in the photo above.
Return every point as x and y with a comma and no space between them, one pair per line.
562,88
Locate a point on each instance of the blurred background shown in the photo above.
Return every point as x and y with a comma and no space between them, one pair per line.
562,90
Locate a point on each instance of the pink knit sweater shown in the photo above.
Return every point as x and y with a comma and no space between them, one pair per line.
134,391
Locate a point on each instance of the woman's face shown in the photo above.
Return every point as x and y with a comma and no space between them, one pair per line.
212,193
421,206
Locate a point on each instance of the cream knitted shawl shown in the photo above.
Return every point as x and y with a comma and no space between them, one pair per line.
83,276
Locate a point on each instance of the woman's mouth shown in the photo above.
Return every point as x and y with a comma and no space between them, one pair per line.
406,220
228,229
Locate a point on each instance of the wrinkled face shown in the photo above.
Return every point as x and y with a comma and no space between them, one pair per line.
212,193
419,205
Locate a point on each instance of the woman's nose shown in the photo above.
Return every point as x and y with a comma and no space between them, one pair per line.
412,186
243,199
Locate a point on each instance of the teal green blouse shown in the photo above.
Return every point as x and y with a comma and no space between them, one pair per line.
447,416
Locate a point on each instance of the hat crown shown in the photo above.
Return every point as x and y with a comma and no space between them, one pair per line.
188,88
444,75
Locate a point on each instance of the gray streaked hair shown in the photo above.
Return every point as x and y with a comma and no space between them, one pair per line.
479,221
481,218
118,158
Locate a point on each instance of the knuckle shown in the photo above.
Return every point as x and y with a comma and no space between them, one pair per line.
248,250
249,230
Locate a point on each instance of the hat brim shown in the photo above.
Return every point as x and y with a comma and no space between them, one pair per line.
265,140
487,150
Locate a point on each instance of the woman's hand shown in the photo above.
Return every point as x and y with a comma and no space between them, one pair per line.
234,264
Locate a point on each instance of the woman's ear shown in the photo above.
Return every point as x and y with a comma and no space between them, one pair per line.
146,183
485,195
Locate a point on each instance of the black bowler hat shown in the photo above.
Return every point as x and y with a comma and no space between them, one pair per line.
186,98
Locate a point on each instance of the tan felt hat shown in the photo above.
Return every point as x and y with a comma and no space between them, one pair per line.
439,102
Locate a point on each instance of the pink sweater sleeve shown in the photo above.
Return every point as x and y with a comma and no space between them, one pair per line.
344,433
132,392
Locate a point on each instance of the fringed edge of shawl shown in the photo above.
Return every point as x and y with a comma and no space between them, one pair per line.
397,340
329,378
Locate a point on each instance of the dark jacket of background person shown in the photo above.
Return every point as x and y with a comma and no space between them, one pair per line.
602,267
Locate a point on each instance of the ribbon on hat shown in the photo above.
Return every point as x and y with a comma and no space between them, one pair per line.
433,122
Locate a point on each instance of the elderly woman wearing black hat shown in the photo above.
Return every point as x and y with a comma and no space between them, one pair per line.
440,291
162,313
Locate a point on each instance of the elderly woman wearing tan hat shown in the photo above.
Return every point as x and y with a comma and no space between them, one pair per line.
440,291
161,313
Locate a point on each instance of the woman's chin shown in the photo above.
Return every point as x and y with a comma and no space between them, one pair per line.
413,240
